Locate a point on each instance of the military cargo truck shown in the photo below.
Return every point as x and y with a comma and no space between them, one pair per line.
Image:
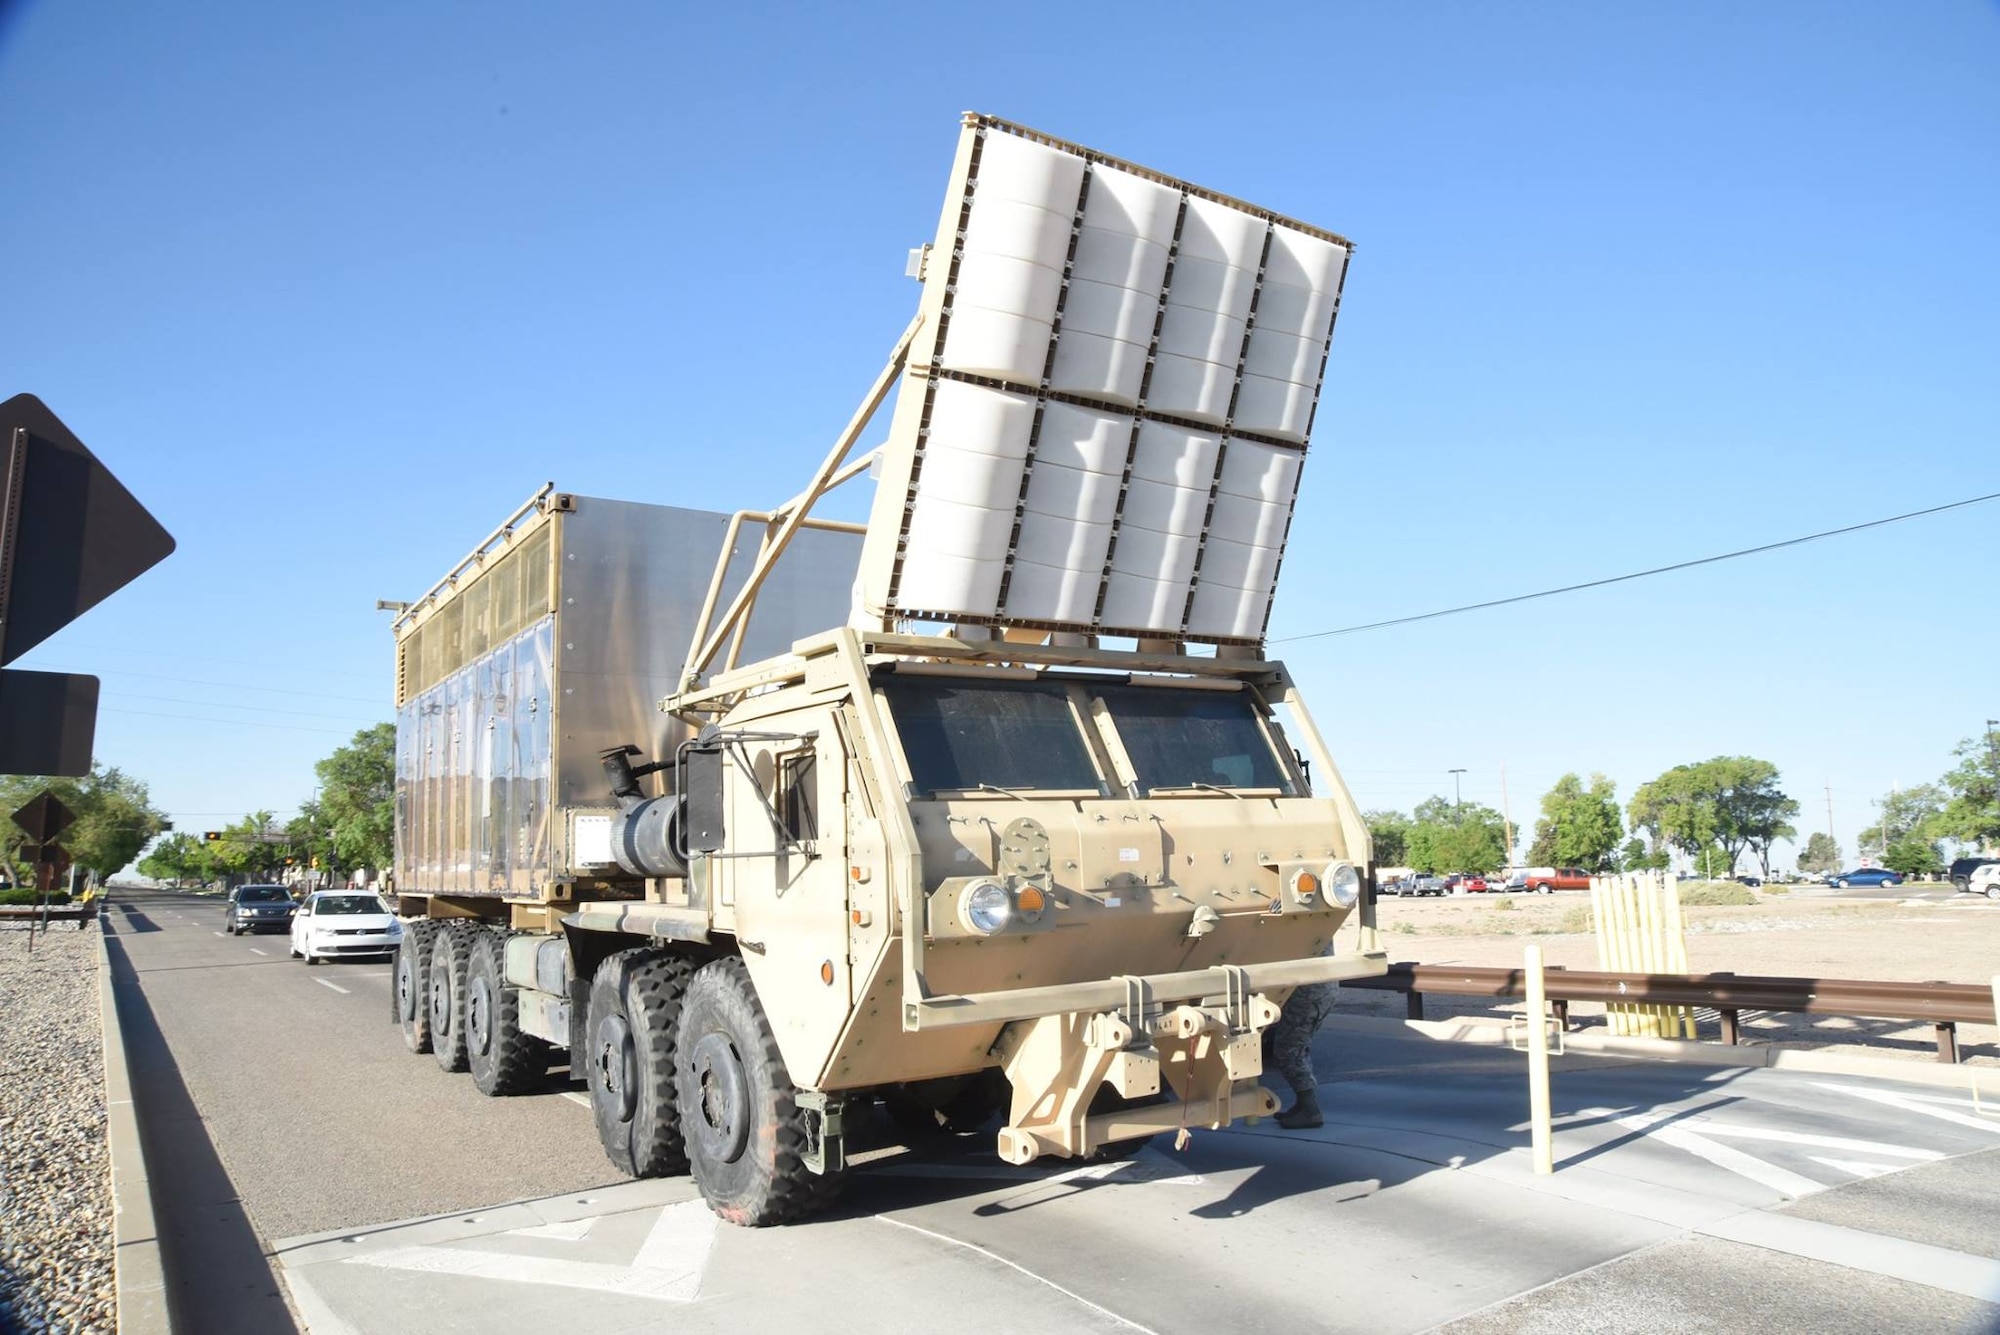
989,810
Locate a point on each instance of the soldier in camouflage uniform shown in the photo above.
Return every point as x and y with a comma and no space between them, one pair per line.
1288,1050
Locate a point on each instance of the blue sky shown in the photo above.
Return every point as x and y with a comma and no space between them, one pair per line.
334,288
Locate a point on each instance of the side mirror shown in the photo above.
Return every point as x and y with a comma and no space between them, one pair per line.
702,775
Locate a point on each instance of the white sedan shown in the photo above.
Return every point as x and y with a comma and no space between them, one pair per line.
1985,881
333,923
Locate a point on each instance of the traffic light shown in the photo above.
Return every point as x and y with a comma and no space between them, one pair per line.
211,836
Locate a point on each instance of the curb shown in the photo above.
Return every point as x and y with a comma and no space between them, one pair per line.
1982,1080
141,1277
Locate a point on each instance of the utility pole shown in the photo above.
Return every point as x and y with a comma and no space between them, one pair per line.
1829,812
1506,813
1456,800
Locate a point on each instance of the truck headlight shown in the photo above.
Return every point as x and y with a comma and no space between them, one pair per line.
985,906
1343,883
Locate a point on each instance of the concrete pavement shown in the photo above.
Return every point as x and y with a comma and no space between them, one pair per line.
1687,1197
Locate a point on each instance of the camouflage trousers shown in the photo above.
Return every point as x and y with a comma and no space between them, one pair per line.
1288,1043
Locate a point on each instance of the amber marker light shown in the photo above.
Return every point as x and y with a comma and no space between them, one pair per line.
1031,900
1305,886
826,973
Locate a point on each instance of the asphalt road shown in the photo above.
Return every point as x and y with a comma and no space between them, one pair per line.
307,1155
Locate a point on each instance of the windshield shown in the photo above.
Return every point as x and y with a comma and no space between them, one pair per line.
350,904
1185,738
262,894
960,734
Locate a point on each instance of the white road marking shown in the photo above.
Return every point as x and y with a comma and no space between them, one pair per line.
1071,1294
1911,1104
1917,1262
1857,1168
668,1266
335,986
575,1097
255,951
220,934
568,1230
1781,1180
1728,1132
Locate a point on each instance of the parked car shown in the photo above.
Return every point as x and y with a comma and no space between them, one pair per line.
1868,876
1421,884
1985,880
1466,883
256,908
1754,882
1545,880
336,923
1963,868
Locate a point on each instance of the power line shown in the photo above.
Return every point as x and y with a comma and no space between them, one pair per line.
1637,574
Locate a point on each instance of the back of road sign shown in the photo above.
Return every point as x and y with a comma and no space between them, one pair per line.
70,537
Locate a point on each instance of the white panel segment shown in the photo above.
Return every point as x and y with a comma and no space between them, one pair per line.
1114,296
1281,367
1207,309
963,516
1011,264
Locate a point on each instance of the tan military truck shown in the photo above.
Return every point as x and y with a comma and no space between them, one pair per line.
991,808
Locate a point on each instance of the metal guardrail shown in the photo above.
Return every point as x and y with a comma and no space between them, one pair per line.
1944,1005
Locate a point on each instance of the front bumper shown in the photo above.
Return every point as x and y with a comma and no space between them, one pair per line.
325,946
259,923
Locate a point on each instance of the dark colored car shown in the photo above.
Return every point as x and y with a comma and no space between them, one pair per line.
258,908
1869,876
1962,868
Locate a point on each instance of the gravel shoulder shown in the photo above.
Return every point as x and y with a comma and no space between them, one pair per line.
1793,936
55,1174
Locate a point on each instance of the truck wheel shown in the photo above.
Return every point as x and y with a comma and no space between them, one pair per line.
1107,1100
739,1109
635,1002
407,991
503,1059
447,995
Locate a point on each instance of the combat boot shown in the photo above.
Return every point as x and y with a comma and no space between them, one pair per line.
1304,1114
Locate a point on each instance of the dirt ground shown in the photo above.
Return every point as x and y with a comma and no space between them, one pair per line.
1805,934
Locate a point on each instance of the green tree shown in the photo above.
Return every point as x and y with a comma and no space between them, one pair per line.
1714,810
1580,825
1972,816
1389,831
1820,854
254,846
1636,856
357,798
1908,814
1448,837
115,818
1912,855
176,858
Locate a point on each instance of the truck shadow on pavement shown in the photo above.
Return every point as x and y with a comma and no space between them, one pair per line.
218,1274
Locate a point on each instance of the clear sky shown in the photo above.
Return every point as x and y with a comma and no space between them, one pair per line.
333,288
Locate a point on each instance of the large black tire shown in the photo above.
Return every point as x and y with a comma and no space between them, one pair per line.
503,1059
746,1135
409,987
635,1002
446,994
1108,1101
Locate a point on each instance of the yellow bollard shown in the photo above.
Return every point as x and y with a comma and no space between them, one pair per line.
1540,1133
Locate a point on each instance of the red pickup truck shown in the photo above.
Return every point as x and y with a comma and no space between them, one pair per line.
1544,880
